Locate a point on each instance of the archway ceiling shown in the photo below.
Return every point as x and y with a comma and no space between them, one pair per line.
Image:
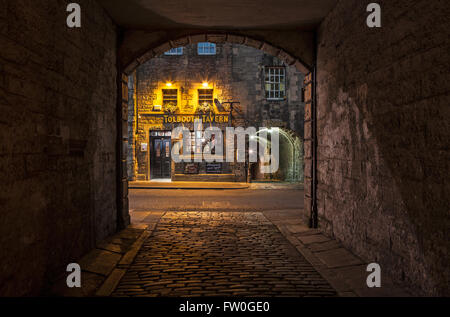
220,14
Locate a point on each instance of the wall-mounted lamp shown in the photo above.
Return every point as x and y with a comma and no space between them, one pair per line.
205,84
169,84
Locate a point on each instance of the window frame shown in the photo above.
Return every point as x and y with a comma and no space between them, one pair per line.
206,48
169,97
278,73
203,93
175,51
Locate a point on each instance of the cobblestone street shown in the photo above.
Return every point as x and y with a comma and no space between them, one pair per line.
220,254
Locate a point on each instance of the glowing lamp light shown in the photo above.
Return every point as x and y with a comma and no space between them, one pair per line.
205,84
169,84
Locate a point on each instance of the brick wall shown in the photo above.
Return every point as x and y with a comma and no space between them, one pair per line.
383,136
57,139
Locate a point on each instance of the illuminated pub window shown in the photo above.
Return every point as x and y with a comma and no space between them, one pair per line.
275,83
170,97
199,148
205,96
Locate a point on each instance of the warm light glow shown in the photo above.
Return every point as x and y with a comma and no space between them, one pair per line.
169,84
205,84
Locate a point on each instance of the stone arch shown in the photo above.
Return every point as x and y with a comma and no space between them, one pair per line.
139,46
154,50
291,159
295,164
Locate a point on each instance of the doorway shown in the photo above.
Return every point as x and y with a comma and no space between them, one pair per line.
160,156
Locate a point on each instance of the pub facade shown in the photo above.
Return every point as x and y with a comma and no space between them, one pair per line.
219,85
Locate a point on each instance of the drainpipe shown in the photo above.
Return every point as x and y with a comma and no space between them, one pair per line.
314,212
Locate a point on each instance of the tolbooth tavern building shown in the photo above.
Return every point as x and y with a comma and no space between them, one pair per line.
221,85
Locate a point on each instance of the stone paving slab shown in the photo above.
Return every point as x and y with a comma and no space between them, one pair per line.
339,257
313,239
100,261
90,283
100,273
341,268
220,254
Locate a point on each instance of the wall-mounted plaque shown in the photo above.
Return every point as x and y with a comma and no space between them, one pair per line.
191,168
144,147
213,168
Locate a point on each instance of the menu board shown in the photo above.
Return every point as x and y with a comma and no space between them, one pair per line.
191,168
213,168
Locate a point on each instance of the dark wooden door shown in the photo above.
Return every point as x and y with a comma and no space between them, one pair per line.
160,160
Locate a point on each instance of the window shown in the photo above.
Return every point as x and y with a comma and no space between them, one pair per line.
170,100
170,96
206,48
161,133
205,96
175,51
275,83
197,142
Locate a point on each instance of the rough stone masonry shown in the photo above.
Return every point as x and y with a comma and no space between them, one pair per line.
383,138
57,139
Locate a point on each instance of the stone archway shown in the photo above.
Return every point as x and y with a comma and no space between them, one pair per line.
290,160
131,55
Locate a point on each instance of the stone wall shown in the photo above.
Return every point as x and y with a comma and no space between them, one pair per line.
57,139
132,121
383,138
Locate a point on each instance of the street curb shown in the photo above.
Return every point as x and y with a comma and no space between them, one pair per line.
113,279
190,188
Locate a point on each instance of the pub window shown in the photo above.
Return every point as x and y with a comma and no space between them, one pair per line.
199,144
206,48
175,51
205,96
170,96
275,83
197,148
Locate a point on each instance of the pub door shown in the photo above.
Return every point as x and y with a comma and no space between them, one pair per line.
160,161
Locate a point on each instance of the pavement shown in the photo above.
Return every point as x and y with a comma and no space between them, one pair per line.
167,184
187,185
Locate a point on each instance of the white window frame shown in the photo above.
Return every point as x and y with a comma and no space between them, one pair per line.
274,80
175,51
206,48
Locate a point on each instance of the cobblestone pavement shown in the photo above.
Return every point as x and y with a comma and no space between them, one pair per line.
220,254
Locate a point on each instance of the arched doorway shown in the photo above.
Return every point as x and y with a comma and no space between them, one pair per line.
290,161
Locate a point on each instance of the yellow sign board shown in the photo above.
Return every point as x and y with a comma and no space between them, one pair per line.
205,118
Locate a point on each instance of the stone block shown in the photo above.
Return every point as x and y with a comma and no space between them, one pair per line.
338,258
99,261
